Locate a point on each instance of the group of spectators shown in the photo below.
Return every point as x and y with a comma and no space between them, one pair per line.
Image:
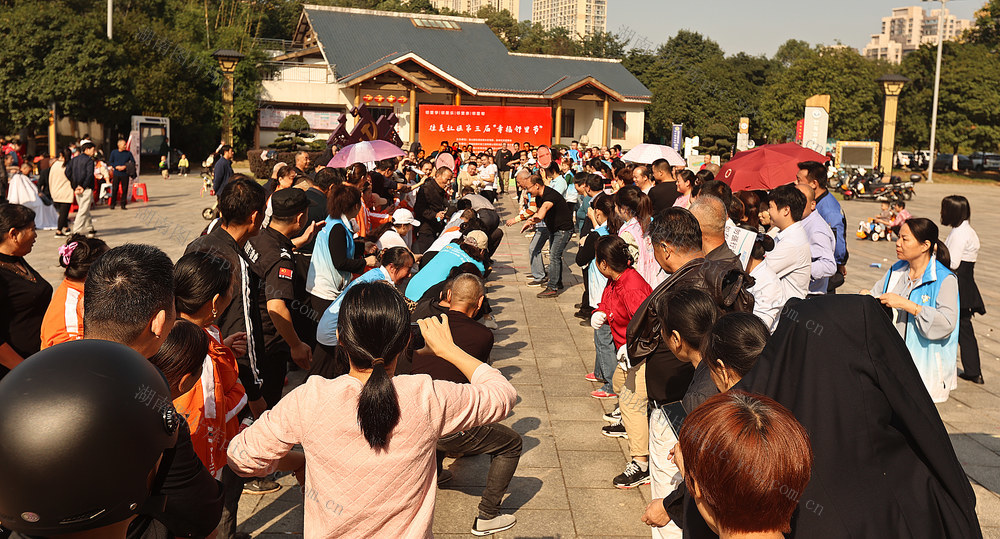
371,279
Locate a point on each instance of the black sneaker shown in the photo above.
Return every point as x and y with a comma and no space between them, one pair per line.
614,416
615,430
584,314
260,486
548,293
537,282
444,476
632,477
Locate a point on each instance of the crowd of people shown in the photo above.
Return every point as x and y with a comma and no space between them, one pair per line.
371,279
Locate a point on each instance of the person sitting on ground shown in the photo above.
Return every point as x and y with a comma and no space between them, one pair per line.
379,478
396,233
765,446
463,299
63,319
89,469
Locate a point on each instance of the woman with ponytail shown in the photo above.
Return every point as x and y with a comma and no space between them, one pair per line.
63,319
624,293
370,438
922,294
636,210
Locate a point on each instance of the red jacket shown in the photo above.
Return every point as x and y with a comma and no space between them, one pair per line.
620,301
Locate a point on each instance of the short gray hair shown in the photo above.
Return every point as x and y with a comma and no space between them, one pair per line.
711,214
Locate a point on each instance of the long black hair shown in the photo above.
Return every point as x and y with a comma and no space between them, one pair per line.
83,254
198,277
183,352
637,203
373,330
606,204
923,229
690,312
738,340
613,251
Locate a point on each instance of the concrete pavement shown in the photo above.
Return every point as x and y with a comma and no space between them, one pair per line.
563,484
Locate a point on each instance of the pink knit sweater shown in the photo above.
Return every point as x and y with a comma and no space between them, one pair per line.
352,491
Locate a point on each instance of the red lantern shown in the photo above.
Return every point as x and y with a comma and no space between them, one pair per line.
379,99
402,100
391,99
367,98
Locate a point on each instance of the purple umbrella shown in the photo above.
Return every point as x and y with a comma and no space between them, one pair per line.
365,152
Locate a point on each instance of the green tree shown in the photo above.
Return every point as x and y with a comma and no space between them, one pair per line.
54,52
849,79
987,28
793,51
968,103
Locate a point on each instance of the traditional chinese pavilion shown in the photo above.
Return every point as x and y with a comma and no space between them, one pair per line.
339,58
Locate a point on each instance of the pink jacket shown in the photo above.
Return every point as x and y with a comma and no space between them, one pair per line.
350,490
642,251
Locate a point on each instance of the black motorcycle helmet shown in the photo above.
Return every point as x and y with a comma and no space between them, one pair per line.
82,426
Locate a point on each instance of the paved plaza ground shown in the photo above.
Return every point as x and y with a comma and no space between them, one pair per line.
563,483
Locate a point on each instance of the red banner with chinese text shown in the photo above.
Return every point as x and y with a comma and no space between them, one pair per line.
484,127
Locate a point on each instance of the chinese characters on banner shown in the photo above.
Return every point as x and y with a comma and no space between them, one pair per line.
484,126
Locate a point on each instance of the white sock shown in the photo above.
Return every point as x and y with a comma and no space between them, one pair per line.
643,465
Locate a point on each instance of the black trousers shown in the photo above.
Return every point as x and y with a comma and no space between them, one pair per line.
968,344
63,209
502,444
272,372
122,182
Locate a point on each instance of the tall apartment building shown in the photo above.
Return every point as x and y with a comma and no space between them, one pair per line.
580,17
910,27
472,6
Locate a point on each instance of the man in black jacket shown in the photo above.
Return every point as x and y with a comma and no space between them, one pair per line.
430,206
80,173
130,300
677,246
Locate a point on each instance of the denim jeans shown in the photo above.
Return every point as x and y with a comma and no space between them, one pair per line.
503,445
560,238
605,361
535,252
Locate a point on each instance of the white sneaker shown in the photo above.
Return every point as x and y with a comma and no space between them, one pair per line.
499,523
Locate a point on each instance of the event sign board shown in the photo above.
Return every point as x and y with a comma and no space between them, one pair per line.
677,136
484,126
743,136
816,123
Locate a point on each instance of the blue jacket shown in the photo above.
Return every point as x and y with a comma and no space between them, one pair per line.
222,173
829,209
437,270
935,359
326,330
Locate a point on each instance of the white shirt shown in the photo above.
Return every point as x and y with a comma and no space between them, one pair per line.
444,239
391,238
768,296
821,244
962,244
791,261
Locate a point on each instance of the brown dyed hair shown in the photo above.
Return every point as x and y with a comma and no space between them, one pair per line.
750,459
342,198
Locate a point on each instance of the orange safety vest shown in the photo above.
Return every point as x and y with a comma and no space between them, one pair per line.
211,407
63,319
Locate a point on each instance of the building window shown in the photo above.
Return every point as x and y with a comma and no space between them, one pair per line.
618,124
568,123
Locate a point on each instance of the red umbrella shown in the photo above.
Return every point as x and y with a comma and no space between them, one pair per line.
766,167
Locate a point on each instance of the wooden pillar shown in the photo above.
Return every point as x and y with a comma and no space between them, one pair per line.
606,124
357,95
558,132
458,98
413,115
503,101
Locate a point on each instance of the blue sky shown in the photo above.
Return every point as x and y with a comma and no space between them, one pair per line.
759,27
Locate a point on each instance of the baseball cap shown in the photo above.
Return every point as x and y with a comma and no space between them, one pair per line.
289,202
477,238
403,216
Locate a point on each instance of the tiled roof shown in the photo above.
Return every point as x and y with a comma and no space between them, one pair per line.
355,41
